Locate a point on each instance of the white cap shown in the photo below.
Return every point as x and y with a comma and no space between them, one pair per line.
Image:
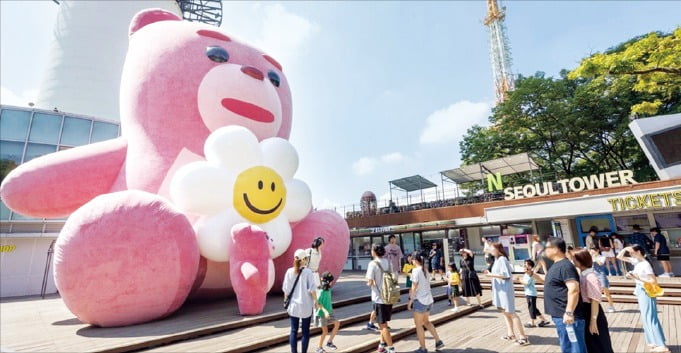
300,254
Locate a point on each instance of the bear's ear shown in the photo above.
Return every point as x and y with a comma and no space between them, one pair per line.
149,16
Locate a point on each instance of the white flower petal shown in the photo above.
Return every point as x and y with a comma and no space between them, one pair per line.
281,156
298,200
213,235
233,147
202,188
279,232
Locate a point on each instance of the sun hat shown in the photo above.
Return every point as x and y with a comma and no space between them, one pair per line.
300,254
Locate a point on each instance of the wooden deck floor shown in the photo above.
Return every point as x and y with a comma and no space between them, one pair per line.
480,332
34,324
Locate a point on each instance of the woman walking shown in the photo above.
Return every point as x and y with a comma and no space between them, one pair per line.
607,250
470,283
643,274
300,295
597,335
503,296
421,301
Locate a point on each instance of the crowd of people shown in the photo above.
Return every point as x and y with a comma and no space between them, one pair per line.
575,281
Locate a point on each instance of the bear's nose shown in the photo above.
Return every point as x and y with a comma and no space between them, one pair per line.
253,72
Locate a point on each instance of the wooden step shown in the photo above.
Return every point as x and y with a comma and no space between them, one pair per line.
276,332
356,339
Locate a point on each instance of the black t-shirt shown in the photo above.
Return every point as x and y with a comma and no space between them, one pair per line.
555,290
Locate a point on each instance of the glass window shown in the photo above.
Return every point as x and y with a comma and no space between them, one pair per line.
408,244
625,223
518,229
45,128
600,223
668,220
36,150
14,124
11,151
76,132
361,246
4,211
103,131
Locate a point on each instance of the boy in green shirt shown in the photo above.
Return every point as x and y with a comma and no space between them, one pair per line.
324,315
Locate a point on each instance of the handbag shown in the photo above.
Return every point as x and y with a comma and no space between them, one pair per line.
653,290
287,300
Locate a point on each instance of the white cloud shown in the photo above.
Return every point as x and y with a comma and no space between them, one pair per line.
274,29
449,124
364,166
391,158
10,98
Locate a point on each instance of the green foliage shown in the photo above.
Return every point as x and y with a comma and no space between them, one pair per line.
6,166
650,65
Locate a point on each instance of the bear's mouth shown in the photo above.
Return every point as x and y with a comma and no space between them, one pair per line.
248,110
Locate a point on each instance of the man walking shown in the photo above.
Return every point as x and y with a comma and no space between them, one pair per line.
394,254
561,298
382,311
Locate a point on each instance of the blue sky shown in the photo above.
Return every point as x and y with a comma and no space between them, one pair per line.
381,90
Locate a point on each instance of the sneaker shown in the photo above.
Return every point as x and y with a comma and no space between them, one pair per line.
523,342
320,350
391,349
544,323
439,345
664,275
381,348
610,310
421,350
330,346
372,327
455,310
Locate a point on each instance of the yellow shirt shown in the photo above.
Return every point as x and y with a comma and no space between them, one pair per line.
454,278
406,268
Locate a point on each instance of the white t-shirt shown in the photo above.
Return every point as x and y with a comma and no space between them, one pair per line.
301,303
423,294
618,245
374,272
314,260
642,269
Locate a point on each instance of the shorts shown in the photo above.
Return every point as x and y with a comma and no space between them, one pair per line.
609,253
453,291
435,266
383,313
421,308
603,278
321,321
662,257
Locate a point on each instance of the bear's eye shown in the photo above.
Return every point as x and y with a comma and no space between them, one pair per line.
274,78
217,54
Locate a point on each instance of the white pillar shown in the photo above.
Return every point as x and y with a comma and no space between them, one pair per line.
90,40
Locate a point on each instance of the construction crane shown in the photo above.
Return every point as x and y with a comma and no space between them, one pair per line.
500,54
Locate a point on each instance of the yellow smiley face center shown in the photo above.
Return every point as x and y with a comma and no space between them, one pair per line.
259,194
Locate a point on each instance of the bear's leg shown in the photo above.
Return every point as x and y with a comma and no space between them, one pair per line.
125,258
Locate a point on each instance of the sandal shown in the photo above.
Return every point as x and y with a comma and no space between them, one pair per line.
544,323
508,338
529,325
523,342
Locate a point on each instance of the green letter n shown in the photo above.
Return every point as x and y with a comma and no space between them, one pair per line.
494,182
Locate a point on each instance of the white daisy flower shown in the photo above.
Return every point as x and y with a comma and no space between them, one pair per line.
242,181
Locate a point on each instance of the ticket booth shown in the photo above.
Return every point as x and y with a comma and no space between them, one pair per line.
603,223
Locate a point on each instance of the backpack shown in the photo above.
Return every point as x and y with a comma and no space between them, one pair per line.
390,290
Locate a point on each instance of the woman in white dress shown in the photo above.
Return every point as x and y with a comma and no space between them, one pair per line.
503,294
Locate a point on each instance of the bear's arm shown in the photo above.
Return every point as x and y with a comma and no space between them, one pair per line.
55,185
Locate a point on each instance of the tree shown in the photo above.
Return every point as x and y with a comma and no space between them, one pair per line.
651,62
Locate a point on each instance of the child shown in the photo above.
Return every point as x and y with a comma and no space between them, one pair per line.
325,314
406,269
453,281
531,296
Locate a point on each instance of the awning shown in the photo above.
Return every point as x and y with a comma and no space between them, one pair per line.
413,183
517,163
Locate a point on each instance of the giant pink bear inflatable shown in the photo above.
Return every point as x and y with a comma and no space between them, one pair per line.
126,255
